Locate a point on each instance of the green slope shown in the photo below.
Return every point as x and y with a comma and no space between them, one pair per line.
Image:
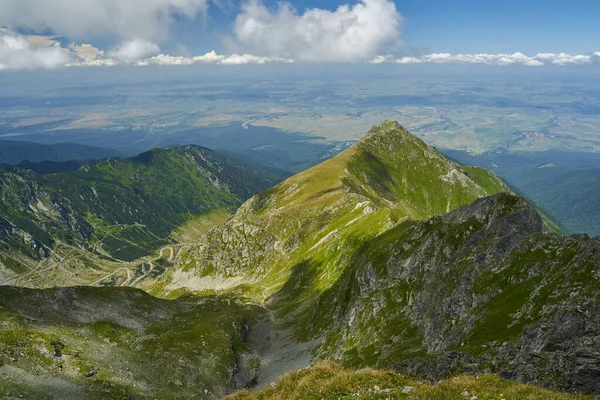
118,209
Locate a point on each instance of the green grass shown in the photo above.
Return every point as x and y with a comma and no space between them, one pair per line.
330,381
197,227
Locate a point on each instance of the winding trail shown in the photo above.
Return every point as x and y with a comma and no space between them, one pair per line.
160,255
129,277
180,250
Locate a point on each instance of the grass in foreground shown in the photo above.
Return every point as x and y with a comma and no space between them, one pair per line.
330,381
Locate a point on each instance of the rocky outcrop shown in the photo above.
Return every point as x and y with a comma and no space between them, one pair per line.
481,289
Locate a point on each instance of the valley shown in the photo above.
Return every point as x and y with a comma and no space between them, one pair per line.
75,227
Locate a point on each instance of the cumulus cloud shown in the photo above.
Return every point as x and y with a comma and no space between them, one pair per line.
135,50
408,60
518,58
487,59
380,59
17,53
87,52
83,19
348,34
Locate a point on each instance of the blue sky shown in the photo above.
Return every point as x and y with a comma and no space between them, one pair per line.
504,26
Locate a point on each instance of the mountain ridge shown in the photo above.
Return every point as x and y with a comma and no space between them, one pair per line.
328,198
13,152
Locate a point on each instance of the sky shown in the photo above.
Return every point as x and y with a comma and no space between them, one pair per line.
61,33
503,26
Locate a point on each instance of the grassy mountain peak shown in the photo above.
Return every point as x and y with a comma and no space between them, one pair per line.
317,217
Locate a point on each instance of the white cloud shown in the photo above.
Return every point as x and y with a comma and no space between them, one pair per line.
408,60
564,59
239,59
87,51
518,58
135,50
211,58
163,59
84,19
348,34
33,52
380,59
17,53
486,59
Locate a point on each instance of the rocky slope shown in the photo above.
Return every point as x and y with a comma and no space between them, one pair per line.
481,289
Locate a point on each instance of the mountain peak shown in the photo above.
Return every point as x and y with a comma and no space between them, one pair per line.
386,126
389,130
392,165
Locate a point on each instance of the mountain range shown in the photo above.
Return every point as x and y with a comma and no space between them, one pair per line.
389,255
13,152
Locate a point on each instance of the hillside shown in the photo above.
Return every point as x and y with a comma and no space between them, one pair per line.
99,343
387,256
118,209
